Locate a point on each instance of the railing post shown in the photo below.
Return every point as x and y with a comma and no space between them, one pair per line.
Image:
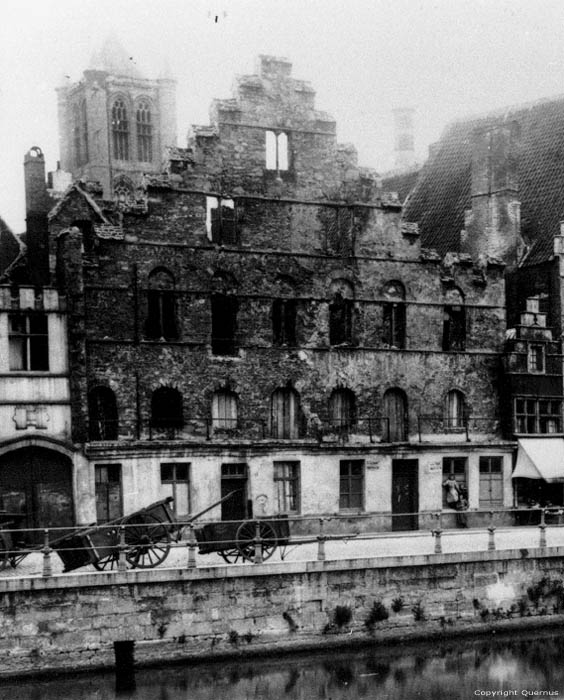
370,430
191,547
208,432
438,534
542,527
258,544
491,533
121,549
47,568
419,426
467,433
321,542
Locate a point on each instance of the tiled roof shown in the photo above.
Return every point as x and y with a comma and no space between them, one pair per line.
442,192
402,183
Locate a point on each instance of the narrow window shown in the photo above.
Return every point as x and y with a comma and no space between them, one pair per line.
175,482
161,306
108,493
340,320
120,130
549,416
284,321
394,315
224,324
28,342
454,322
144,132
277,157
287,486
535,358
84,132
456,466
76,134
221,221
285,414
342,409
102,414
166,408
224,410
395,416
351,484
455,410
491,482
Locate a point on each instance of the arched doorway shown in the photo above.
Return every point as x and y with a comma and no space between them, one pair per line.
36,484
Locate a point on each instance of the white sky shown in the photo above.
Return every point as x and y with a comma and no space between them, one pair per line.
446,58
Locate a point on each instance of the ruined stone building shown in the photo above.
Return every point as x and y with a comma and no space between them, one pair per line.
259,317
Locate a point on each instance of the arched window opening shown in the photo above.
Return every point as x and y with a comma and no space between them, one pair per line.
144,132
277,154
123,191
102,414
286,420
394,315
395,415
224,410
161,306
166,408
342,409
455,409
224,324
454,323
120,130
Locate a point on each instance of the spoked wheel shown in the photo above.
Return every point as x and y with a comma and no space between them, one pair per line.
109,563
147,539
231,556
246,534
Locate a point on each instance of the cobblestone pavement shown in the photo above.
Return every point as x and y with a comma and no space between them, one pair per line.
405,543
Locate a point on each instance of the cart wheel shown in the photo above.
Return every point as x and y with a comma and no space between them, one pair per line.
109,563
231,556
147,539
246,533
4,558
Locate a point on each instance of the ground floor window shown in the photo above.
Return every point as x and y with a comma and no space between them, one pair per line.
491,482
286,484
109,504
175,482
351,484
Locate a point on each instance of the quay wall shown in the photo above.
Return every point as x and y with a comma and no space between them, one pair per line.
71,621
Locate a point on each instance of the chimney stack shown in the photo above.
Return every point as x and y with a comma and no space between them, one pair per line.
37,204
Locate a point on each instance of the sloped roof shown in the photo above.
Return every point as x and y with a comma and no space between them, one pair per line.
402,183
442,192
10,247
114,59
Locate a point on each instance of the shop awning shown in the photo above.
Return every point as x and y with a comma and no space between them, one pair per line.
540,458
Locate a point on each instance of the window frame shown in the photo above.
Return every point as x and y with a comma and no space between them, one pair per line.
456,466
175,483
29,345
120,129
277,150
532,419
144,131
536,361
349,479
287,486
490,502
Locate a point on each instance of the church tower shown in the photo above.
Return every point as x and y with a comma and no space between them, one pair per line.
114,123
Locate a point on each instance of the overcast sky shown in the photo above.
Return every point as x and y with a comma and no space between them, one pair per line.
446,58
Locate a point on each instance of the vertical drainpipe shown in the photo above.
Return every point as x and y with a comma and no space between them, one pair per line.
137,407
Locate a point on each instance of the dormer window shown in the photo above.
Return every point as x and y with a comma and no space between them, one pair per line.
535,358
276,150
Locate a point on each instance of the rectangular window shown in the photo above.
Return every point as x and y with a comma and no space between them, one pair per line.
287,486
224,324
221,218
491,481
394,324
456,466
538,416
109,504
454,328
175,482
28,342
284,321
351,484
535,358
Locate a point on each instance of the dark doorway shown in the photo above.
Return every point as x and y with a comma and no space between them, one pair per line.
109,501
36,487
234,478
405,494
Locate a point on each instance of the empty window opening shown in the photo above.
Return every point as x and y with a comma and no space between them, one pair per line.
144,132
224,410
161,306
394,315
287,486
455,409
102,414
285,414
454,322
340,320
221,224
175,482
120,130
166,408
277,151
28,342
284,321
351,484
224,324
342,409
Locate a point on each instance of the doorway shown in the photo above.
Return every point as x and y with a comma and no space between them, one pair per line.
405,494
234,479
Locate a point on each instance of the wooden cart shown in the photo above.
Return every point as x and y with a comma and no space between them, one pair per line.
239,539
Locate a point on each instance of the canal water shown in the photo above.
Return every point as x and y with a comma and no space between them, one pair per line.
518,666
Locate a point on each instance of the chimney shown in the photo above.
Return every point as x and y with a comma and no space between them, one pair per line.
404,140
37,204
